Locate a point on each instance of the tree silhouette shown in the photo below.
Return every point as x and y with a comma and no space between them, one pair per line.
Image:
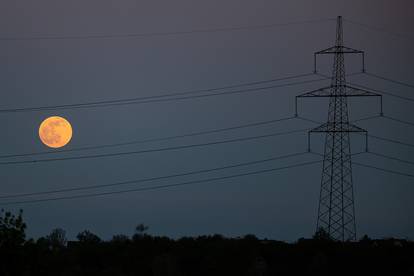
120,238
12,240
56,240
204,255
12,229
365,239
88,237
322,235
140,230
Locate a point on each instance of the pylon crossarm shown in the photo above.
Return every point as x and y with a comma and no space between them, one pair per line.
354,91
316,93
336,131
365,93
350,91
337,127
339,50
324,128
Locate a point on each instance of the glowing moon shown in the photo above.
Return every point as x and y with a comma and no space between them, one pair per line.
55,132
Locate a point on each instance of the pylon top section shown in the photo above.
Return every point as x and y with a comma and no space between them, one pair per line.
339,47
339,32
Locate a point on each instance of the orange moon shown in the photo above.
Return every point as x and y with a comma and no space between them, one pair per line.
55,132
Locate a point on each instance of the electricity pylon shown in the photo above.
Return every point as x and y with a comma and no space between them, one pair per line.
336,212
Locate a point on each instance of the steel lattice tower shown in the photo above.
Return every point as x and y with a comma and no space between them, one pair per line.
336,212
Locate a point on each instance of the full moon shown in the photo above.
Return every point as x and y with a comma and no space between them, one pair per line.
55,132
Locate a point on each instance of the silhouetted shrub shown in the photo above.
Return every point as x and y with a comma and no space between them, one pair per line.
12,229
56,240
88,237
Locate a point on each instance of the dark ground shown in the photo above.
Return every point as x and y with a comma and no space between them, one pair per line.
143,254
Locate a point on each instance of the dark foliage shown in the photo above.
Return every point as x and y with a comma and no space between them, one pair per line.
144,254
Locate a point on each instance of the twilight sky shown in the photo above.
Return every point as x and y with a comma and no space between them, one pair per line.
280,205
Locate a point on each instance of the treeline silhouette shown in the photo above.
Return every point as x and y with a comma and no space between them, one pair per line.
144,254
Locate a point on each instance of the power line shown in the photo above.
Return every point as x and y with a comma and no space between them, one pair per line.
156,34
171,96
390,80
398,120
159,187
150,179
160,98
374,90
193,182
308,120
369,135
197,91
391,140
391,158
383,92
192,134
383,170
377,168
378,29
366,118
154,150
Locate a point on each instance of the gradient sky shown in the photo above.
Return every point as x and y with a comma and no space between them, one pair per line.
280,205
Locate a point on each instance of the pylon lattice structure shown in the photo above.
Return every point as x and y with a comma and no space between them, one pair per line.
336,212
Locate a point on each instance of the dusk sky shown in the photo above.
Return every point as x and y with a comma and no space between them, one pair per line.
279,205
